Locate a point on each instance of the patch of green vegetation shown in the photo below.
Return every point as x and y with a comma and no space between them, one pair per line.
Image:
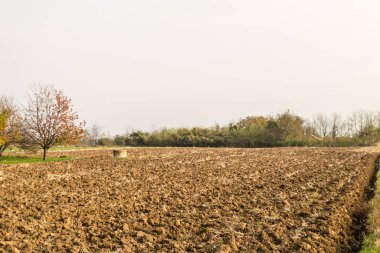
369,244
62,148
369,241
24,159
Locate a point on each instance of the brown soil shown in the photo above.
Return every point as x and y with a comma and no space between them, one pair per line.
186,199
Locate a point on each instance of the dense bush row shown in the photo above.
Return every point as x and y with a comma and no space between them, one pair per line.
285,129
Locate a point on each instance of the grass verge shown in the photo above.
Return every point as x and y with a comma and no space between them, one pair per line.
371,241
64,148
24,159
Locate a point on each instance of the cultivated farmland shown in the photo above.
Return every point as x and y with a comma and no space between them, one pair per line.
187,200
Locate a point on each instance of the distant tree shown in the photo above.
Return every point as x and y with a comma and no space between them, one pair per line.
252,121
321,124
105,141
273,133
94,133
49,119
368,132
335,126
138,138
252,131
119,140
12,130
85,140
369,135
290,126
310,132
185,137
358,122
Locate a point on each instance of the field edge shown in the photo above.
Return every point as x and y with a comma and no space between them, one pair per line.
371,239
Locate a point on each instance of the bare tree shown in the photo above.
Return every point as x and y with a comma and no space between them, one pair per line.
369,119
360,121
345,128
321,124
12,129
336,121
94,133
49,119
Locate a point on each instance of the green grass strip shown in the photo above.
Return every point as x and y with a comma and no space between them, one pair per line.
24,159
369,241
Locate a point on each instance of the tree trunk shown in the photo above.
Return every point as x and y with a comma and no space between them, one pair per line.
44,156
2,148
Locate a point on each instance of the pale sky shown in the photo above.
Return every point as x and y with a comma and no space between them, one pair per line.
148,64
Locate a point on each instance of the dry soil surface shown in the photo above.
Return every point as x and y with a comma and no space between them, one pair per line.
186,200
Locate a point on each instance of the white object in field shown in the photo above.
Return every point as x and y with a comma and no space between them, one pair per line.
119,153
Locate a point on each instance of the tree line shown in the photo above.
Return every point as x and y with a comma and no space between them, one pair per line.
362,128
48,119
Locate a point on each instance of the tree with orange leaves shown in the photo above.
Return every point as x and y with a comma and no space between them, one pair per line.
49,120
3,124
11,130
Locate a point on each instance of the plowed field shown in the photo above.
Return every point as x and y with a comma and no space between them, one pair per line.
186,199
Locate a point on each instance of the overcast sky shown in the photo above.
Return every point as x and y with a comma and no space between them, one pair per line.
148,64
